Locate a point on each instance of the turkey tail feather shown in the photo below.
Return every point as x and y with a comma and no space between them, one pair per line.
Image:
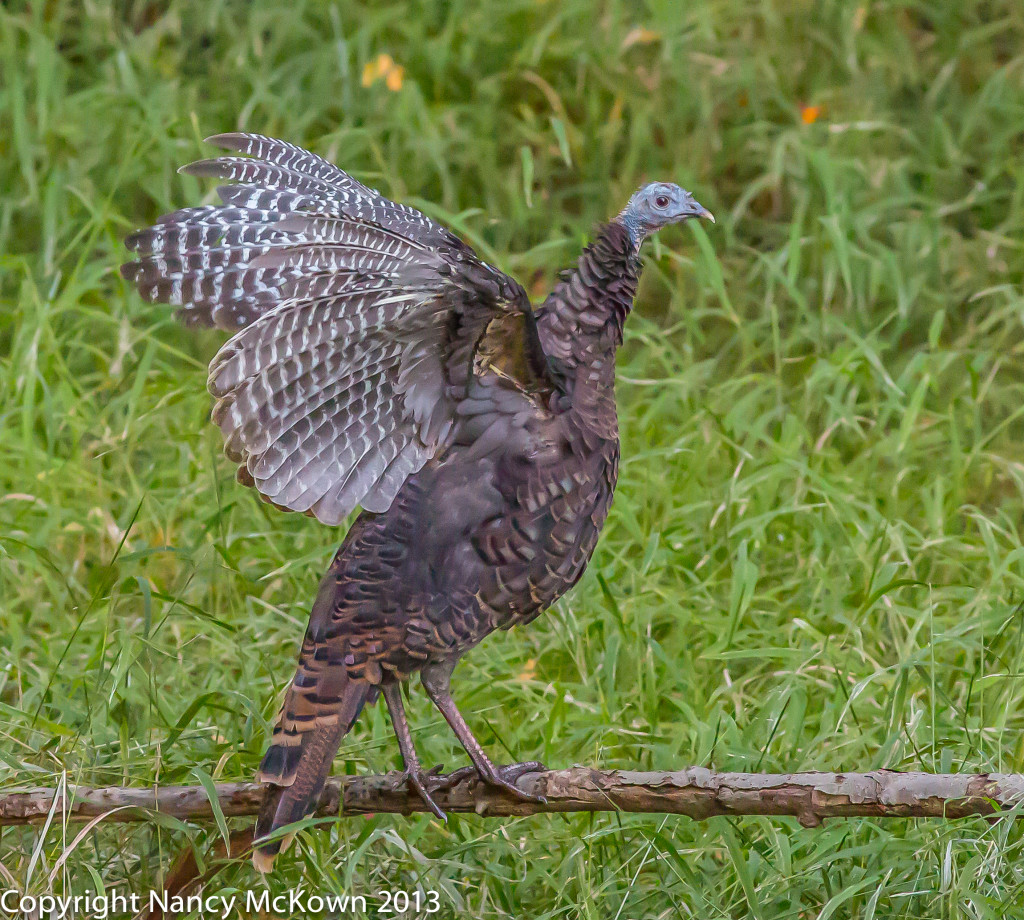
299,761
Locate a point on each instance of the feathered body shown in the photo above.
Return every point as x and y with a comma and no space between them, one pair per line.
380,363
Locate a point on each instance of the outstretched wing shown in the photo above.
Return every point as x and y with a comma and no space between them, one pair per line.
359,321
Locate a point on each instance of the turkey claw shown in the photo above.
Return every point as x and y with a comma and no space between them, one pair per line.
505,777
417,781
448,780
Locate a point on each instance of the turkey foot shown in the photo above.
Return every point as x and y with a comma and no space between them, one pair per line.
418,781
504,776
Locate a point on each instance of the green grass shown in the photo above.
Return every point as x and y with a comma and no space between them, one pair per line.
815,558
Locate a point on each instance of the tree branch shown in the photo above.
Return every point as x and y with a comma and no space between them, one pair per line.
696,793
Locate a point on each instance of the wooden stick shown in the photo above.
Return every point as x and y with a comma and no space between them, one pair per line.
696,793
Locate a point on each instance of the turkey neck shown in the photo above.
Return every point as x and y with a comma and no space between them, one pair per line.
580,324
580,328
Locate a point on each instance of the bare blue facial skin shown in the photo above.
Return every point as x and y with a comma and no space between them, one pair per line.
657,205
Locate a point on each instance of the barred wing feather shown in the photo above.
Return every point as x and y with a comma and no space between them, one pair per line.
349,312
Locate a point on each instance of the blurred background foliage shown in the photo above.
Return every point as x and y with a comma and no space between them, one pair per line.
814,560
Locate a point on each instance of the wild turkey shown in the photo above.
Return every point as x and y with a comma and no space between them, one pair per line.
378,362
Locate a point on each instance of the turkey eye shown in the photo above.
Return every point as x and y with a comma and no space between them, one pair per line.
661,201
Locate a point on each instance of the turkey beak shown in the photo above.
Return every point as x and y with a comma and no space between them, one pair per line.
700,211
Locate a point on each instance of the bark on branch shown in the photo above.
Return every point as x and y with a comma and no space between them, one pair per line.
697,793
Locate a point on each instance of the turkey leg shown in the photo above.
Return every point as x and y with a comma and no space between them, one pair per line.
413,775
436,679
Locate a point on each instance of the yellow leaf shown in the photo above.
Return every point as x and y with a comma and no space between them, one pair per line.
639,36
529,672
393,78
384,66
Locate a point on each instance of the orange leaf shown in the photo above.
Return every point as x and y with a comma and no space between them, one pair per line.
809,114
